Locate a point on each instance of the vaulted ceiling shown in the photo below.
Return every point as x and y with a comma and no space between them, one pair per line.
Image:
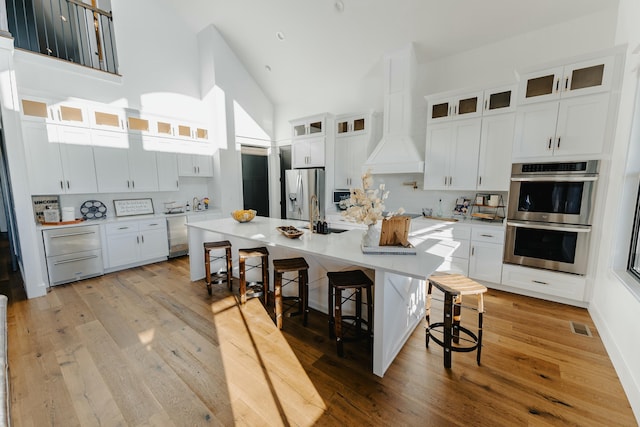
298,48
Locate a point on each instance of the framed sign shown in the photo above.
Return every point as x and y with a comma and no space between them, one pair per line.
130,207
41,203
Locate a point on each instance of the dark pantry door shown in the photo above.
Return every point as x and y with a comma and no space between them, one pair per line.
255,181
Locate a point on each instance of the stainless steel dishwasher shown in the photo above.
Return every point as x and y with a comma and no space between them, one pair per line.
177,235
73,253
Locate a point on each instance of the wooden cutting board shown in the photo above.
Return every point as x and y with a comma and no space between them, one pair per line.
395,231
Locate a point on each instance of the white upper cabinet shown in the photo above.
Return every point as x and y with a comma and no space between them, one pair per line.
352,125
580,78
451,155
494,162
308,127
464,106
572,127
499,100
126,170
195,165
308,153
167,171
108,118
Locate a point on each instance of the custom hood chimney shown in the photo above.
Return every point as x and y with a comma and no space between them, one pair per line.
397,152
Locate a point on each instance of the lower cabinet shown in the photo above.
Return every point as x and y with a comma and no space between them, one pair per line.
485,260
134,242
540,283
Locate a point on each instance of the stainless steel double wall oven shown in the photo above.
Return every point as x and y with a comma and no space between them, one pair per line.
549,215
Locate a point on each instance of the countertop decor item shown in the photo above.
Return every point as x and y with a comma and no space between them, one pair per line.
290,231
93,209
243,215
129,207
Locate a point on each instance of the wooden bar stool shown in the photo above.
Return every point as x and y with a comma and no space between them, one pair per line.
220,276
454,286
257,288
356,281
281,266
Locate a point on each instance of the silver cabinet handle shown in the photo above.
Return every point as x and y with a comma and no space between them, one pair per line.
555,227
67,261
547,179
68,186
61,185
486,235
123,228
142,237
473,250
138,239
558,145
549,146
82,233
133,184
539,282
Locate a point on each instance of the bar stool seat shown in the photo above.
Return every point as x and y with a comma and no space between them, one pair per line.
454,286
281,266
355,281
257,288
220,276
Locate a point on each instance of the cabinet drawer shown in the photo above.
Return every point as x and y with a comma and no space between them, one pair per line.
544,282
121,227
72,267
158,224
440,231
447,247
69,240
488,234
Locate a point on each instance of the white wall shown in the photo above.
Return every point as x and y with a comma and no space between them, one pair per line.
614,307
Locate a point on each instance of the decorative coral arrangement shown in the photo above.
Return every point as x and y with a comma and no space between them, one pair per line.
366,204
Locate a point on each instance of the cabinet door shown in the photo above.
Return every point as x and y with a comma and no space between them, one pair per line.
203,165
153,244
587,77
357,158
316,152
112,169
123,249
72,114
167,171
299,154
43,159
485,262
440,109
540,86
341,163
143,169
499,100
439,141
494,163
468,106
74,135
463,166
535,130
581,125
79,168
185,165
106,118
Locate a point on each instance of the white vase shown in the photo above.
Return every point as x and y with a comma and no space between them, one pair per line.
371,237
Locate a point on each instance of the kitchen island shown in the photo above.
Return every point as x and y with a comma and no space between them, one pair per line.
399,292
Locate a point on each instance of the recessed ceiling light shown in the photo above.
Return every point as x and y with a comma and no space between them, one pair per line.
280,35
267,67
339,5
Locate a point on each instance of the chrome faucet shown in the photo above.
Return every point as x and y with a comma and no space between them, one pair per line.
313,209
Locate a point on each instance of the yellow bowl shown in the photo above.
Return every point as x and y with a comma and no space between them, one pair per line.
243,215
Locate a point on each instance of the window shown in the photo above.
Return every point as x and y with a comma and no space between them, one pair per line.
634,251
73,30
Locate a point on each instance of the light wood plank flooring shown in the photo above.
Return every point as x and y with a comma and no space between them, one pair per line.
146,347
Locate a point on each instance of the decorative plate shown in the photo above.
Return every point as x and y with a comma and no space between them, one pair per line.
93,209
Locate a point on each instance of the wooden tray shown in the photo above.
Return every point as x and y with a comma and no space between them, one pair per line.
290,231
75,221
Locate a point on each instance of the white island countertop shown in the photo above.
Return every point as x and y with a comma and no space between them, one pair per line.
343,246
399,295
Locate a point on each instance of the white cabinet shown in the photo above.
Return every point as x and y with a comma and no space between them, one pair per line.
581,78
352,125
308,126
125,170
307,153
570,127
487,245
108,118
537,282
167,171
499,100
350,155
455,107
451,155
494,162
56,168
195,165
451,238
135,242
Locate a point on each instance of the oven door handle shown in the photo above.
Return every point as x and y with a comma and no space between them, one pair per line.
554,178
553,227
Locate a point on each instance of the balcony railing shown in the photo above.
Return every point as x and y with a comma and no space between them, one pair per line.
66,29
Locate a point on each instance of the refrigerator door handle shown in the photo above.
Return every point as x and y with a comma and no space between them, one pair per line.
300,191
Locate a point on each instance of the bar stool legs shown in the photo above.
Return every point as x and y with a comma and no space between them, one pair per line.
221,276
454,286
354,281
281,266
256,288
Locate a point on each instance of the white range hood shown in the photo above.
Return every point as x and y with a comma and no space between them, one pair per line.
397,152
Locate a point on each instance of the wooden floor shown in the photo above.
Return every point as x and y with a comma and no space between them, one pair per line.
146,347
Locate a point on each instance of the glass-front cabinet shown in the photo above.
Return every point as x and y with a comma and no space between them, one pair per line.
310,126
499,100
580,78
456,107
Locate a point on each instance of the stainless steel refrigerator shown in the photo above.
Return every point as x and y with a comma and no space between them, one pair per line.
300,187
